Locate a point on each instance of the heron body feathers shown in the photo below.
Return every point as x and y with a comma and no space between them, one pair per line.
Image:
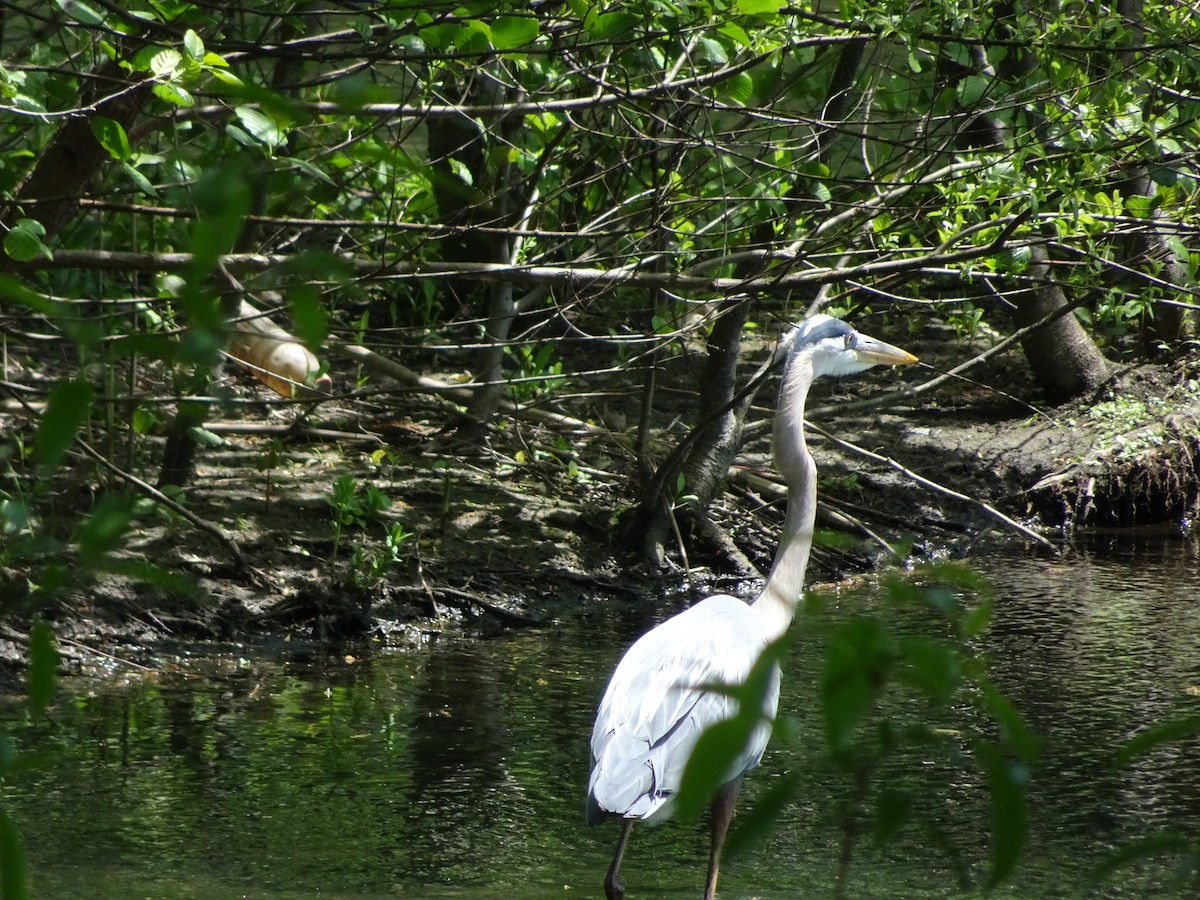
659,700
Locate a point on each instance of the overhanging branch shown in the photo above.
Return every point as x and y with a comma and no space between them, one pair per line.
551,276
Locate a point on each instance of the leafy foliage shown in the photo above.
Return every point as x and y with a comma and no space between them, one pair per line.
903,690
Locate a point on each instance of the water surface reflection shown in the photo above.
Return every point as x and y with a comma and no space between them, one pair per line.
458,770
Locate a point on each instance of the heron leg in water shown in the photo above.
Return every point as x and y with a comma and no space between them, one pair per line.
722,813
612,887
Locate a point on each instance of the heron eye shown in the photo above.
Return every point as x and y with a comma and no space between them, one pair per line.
849,342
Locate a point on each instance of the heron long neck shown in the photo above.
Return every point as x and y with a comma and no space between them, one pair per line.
776,605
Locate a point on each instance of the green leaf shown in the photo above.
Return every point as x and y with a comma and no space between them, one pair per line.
1153,845
204,437
193,46
80,12
891,812
1009,814
714,50
740,88
709,765
165,63
24,241
142,182
762,8
309,319
858,656
13,884
103,531
173,94
308,168
972,89
1145,741
43,668
932,666
260,125
607,26
1012,727
66,411
111,136
511,32
756,823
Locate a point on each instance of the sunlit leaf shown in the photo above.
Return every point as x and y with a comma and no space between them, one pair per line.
204,437
173,94
143,183
193,45
610,25
764,8
24,241
66,411
260,125
511,32
164,63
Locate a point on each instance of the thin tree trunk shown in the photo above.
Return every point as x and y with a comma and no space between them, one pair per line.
716,446
1063,358
73,157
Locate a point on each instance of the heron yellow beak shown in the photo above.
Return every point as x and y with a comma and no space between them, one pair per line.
877,353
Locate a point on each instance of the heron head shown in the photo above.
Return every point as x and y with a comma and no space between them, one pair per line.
837,349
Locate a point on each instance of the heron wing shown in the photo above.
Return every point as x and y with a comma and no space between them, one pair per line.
658,703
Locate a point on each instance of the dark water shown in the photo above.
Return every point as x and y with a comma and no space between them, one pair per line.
457,770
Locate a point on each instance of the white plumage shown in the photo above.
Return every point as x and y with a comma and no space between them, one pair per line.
659,701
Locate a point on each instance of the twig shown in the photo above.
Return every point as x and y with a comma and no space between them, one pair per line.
159,497
121,660
466,599
909,473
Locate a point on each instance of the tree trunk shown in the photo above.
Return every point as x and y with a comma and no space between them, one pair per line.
1149,247
74,157
715,447
1063,358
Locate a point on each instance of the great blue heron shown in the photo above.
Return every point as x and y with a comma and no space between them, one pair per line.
659,699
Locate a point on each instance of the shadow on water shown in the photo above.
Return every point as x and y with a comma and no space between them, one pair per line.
458,770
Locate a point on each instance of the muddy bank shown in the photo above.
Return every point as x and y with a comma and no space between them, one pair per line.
434,536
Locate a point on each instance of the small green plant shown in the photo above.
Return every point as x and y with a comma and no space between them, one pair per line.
367,567
1118,417
267,463
540,372
353,505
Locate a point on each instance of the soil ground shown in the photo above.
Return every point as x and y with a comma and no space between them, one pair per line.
525,533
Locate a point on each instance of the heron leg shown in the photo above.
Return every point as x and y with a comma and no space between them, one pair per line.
722,813
613,889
